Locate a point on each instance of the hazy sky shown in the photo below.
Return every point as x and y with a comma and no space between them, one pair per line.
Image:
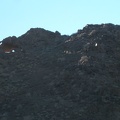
65,16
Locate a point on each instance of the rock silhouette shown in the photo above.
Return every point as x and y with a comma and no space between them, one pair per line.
59,77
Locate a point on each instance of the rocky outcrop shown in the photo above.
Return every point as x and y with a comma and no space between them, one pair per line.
9,44
53,76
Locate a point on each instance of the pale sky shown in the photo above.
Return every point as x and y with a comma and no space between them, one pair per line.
65,16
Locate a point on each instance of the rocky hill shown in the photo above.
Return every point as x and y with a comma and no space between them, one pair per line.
50,76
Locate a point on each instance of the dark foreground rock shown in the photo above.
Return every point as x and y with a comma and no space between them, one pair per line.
58,77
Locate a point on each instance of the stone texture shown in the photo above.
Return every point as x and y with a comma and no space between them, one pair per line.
52,76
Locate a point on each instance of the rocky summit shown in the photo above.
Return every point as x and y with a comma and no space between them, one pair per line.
48,76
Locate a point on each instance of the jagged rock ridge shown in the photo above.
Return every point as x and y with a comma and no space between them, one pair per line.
53,76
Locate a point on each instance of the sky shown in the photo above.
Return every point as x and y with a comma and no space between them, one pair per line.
65,16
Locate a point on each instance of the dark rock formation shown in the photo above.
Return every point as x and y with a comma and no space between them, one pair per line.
8,44
58,77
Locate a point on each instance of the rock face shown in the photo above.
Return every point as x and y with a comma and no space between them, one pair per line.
8,44
58,77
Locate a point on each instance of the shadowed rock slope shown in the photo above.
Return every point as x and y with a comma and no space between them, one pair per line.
58,77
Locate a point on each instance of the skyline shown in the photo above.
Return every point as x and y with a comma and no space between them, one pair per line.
65,16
